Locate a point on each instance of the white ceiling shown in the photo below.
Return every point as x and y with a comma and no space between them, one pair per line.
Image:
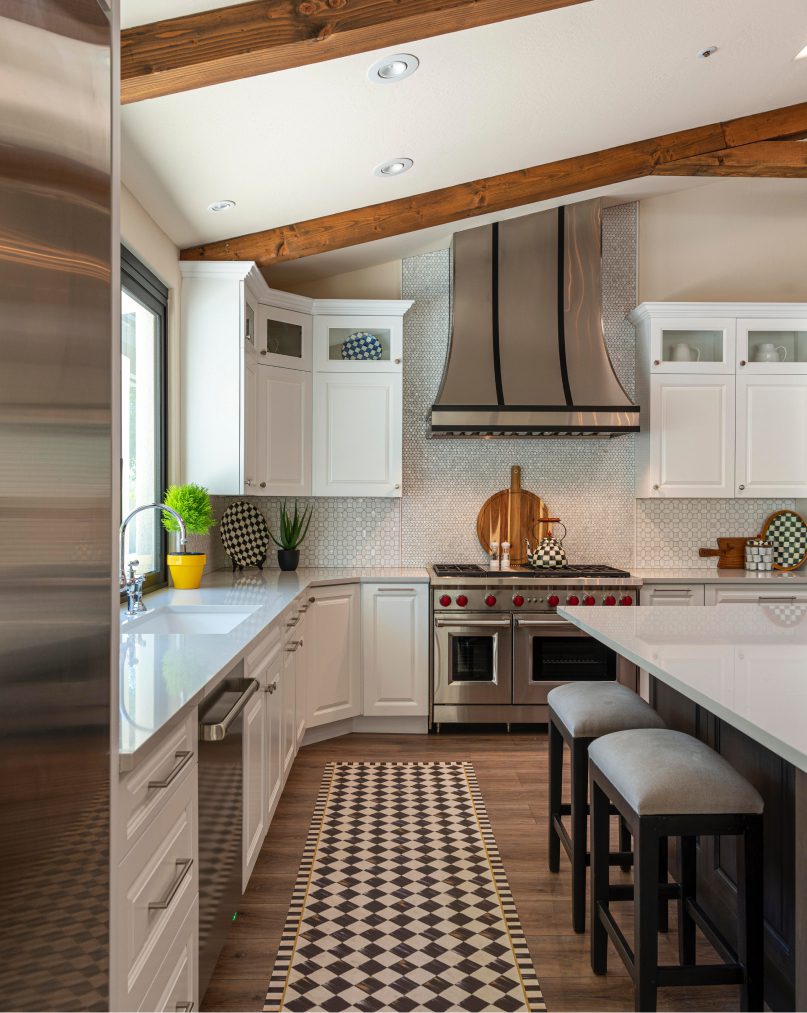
302,143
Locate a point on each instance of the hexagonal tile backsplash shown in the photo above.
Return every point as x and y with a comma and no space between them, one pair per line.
588,483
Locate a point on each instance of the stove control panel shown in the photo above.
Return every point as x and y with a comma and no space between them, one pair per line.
527,599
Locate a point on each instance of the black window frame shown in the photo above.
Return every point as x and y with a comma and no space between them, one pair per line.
143,285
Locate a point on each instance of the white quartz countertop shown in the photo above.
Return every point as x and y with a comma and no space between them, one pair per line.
161,675
711,575
746,664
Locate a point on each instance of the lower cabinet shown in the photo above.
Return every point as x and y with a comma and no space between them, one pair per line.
255,816
175,985
671,594
289,716
301,673
273,696
738,594
395,649
334,670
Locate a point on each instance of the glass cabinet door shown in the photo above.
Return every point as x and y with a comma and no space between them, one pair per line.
690,345
358,344
284,338
772,346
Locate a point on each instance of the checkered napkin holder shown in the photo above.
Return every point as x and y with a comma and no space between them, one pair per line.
549,553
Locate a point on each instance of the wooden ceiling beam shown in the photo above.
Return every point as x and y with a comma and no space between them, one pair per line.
662,155
786,159
262,36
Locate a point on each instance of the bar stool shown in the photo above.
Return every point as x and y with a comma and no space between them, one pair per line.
664,784
580,712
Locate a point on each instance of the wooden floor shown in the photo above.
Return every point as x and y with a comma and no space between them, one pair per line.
512,774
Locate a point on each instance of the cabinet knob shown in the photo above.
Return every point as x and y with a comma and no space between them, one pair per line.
263,351
655,488
247,481
397,362
312,600
656,362
743,362
741,488
263,485
397,485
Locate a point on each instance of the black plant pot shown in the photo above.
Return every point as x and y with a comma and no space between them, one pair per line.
288,559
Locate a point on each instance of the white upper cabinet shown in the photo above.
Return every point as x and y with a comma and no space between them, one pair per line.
283,336
357,434
358,342
283,432
723,393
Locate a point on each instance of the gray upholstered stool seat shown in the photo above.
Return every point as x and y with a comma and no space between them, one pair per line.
591,709
659,772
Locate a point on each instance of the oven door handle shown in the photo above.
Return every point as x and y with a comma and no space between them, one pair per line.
501,624
557,623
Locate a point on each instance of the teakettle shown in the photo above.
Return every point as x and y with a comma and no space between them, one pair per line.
549,552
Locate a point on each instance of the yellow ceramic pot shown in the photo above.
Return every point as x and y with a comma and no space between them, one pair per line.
186,569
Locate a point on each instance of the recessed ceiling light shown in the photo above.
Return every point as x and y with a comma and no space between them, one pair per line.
802,54
394,167
393,68
221,205
704,54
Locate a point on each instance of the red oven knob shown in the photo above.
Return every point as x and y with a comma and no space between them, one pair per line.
572,600
588,600
518,600
445,601
490,601
554,601
462,601
609,600
627,600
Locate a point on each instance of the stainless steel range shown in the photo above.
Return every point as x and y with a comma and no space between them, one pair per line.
499,645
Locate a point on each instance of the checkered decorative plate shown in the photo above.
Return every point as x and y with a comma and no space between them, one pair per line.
244,534
401,902
788,532
361,345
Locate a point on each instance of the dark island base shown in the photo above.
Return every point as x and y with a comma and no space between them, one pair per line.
784,789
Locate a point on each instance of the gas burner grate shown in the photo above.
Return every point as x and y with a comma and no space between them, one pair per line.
576,570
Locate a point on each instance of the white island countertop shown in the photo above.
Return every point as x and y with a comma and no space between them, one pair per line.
746,664
162,675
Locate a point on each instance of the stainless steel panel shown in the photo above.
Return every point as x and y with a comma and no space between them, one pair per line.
57,339
525,691
450,714
448,689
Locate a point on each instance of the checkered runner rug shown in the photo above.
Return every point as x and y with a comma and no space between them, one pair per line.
401,901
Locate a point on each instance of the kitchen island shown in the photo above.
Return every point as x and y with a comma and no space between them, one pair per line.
735,676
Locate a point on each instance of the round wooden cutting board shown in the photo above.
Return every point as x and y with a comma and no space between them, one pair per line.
513,515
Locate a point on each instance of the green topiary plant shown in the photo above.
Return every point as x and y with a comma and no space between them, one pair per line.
293,527
192,503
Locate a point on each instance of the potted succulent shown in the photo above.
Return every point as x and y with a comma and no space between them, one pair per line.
192,503
293,529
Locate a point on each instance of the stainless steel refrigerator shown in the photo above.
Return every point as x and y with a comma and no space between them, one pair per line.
58,251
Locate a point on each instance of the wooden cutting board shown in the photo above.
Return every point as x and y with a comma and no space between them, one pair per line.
730,553
513,515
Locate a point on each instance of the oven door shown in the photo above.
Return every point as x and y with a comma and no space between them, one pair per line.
473,659
549,652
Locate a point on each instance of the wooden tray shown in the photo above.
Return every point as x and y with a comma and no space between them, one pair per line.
513,515
730,553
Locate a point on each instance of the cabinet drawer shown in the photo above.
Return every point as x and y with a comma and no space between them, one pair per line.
175,985
157,884
756,596
147,788
672,594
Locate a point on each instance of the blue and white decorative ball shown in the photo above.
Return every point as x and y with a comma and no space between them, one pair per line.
361,345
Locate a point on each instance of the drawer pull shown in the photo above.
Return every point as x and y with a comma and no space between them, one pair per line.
294,644
184,866
184,757
293,622
184,1007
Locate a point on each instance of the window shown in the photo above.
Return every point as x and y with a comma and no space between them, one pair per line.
144,304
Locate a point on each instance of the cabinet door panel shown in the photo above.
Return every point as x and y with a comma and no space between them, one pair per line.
254,823
250,434
289,717
274,734
395,650
334,674
357,435
772,435
301,685
284,422
692,419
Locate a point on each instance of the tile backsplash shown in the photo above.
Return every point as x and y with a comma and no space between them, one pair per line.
588,483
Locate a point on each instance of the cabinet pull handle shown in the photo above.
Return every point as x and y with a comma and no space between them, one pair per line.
184,1007
395,588
303,608
656,362
263,485
272,688
184,757
293,622
247,481
655,488
184,866
312,600
397,362
292,647
741,488
397,485
263,351
743,362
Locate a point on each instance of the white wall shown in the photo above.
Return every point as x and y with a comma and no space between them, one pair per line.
381,281
143,236
732,239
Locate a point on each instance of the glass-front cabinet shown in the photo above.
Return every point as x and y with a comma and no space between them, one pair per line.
284,338
358,344
691,345
771,345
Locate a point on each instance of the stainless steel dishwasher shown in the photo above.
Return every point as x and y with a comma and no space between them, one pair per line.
221,781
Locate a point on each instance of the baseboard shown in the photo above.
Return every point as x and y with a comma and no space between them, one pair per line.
418,725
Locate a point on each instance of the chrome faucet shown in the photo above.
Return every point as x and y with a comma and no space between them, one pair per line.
131,584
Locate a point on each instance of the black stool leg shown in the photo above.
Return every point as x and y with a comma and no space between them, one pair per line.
749,904
555,790
600,846
579,832
624,842
646,916
663,907
686,926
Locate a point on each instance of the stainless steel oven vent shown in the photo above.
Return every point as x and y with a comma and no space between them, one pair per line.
527,355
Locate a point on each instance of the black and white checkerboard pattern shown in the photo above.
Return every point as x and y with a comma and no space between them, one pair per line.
244,534
402,902
788,532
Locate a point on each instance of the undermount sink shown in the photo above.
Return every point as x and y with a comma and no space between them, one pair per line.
187,619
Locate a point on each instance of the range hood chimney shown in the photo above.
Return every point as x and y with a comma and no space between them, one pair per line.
527,354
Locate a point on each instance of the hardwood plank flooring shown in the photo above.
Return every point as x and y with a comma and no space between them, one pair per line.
512,774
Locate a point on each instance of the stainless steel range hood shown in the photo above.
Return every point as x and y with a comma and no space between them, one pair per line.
527,354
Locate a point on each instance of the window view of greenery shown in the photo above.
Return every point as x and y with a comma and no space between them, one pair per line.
141,436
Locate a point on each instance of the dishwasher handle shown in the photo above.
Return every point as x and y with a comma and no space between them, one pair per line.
215,731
